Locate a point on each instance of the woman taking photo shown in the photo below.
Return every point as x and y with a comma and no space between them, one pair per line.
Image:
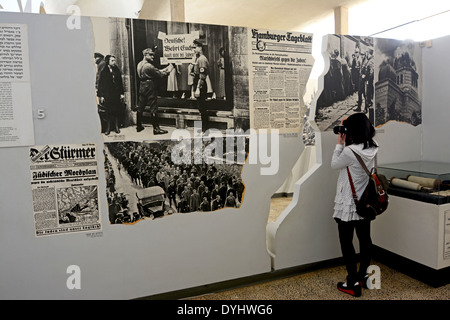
357,137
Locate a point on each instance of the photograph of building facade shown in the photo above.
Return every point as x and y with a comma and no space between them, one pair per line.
397,91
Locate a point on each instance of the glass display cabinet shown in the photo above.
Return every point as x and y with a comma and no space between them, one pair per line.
416,226
419,180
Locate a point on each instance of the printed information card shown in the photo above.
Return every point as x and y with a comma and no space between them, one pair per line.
16,115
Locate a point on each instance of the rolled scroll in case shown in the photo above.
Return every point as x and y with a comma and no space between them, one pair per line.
425,182
405,184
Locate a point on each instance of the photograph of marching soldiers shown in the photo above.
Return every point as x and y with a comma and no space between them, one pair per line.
380,77
157,76
348,85
143,182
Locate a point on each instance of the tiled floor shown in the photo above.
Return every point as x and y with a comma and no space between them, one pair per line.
321,284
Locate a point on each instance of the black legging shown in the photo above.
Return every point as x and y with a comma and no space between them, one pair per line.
346,230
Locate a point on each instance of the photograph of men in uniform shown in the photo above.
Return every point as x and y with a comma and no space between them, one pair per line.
200,70
148,50
149,75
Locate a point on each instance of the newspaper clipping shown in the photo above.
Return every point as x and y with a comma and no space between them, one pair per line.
280,64
64,182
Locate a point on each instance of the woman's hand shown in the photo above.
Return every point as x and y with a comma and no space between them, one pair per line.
341,138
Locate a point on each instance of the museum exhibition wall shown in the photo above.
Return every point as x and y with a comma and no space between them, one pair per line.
76,215
88,200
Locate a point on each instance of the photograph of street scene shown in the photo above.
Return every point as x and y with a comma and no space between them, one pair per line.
380,77
154,77
147,180
348,85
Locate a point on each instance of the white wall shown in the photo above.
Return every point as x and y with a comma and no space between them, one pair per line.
436,101
305,232
98,8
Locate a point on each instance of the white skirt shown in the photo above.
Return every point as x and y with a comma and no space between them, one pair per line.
346,211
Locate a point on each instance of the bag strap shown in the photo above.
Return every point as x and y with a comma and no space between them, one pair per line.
355,197
378,185
360,160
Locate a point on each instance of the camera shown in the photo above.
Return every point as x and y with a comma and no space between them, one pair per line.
340,129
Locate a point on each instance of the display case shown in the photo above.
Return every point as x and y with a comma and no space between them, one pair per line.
419,180
416,226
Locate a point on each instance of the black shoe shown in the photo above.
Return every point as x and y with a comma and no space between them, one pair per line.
139,129
354,290
363,282
117,131
357,109
107,133
159,131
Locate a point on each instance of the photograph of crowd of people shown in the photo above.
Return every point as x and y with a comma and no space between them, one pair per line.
142,181
380,77
157,76
348,85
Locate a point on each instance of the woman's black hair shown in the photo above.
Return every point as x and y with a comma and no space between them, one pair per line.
359,130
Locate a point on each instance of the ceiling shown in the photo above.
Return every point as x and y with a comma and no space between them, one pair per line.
275,14
281,14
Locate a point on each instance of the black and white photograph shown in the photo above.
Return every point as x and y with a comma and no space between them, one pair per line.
154,179
77,204
348,85
398,81
153,77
